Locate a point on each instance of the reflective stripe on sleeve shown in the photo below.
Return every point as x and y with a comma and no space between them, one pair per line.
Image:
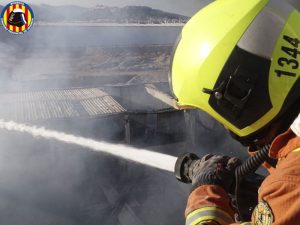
247,223
209,214
297,150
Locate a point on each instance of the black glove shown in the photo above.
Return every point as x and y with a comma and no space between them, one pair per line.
214,170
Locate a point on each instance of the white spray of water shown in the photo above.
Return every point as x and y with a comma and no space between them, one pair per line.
143,156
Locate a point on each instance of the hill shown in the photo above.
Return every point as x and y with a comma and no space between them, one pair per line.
104,14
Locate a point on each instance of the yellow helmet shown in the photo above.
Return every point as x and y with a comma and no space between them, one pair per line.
239,61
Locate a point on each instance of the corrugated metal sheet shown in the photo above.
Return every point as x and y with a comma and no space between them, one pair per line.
83,102
57,95
103,105
56,104
42,110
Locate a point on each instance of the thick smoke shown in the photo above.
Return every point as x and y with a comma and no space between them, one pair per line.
49,182
295,3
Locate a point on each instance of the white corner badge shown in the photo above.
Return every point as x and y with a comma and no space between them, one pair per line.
296,126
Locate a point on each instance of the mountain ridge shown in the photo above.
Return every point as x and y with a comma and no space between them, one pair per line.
104,14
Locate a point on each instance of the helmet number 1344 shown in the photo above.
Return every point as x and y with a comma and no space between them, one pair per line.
290,60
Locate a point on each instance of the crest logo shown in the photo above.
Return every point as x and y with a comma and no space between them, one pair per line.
263,214
17,17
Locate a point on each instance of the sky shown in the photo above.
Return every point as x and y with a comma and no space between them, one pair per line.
184,7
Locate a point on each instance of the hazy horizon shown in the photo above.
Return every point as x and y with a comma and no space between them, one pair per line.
182,7
187,8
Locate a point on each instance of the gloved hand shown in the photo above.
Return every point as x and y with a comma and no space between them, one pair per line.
214,170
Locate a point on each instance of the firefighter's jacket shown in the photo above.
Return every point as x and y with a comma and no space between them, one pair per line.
279,194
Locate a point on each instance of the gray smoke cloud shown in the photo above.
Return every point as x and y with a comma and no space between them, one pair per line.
295,3
47,182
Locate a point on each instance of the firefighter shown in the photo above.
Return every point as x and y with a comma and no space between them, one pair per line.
239,62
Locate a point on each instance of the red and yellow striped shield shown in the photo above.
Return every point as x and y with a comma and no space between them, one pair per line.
17,17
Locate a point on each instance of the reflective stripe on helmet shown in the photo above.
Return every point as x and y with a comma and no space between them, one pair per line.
271,20
209,214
